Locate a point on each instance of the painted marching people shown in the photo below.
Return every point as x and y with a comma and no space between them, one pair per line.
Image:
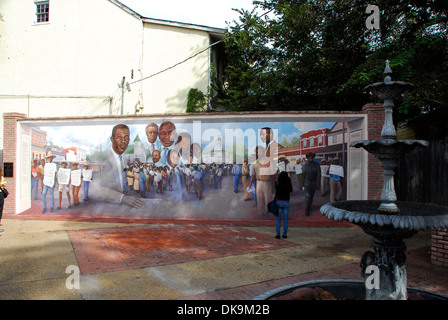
35,179
197,182
236,172
76,182
63,176
245,178
87,175
49,180
310,180
299,170
41,175
325,177
336,173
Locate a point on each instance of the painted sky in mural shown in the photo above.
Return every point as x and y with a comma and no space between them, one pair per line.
92,138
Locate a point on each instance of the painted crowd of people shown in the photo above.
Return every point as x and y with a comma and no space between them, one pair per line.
185,178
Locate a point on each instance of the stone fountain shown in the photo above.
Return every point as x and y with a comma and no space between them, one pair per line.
388,221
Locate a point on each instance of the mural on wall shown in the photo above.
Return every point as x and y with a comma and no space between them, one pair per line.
173,169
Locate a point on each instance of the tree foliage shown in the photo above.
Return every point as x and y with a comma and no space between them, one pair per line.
196,100
319,55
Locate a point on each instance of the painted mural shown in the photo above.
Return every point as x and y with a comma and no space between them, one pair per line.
169,169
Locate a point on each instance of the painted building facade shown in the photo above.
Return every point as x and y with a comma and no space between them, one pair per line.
310,141
38,143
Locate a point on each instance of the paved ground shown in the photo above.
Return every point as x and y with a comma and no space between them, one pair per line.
187,260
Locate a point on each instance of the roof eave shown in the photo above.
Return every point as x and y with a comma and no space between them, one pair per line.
211,30
217,31
127,9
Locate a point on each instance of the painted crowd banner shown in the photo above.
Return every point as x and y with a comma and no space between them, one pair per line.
178,168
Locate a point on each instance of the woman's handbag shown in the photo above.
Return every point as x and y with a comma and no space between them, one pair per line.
5,192
273,207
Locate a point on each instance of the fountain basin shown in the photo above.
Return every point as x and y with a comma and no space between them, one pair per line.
412,216
389,148
389,89
336,289
388,230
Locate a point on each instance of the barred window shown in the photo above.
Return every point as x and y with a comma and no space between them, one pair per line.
42,11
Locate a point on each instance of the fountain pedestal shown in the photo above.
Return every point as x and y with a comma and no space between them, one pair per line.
389,260
389,222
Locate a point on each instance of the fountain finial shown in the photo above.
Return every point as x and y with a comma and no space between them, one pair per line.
387,72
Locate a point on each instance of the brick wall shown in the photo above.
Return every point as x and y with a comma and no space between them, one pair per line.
375,121
9,155
439,247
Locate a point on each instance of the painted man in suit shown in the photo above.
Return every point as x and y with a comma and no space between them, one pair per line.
152,133
168,137
271,146
112,185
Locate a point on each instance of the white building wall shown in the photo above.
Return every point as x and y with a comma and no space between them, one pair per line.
164,47
73,65
84,50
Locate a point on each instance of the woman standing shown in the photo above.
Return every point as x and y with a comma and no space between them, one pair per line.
2,196
283,189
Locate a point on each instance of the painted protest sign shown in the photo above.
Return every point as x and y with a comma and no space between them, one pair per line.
49,174
64,176
76,177
337,170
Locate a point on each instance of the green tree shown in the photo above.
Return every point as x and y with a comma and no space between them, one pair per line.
296,58
316,54
196,100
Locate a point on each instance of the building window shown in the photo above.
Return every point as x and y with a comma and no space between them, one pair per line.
311,142
319,140
335,139
42,11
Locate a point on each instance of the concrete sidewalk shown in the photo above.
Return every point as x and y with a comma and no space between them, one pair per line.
170,260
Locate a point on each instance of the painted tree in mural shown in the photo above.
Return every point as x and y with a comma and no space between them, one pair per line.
319,54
